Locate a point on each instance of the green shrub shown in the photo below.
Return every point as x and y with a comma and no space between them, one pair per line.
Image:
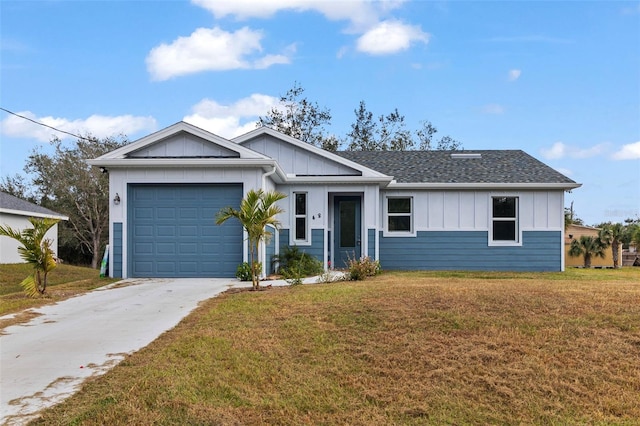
360,269
299,263
243,273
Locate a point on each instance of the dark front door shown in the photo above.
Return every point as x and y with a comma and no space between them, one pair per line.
347,238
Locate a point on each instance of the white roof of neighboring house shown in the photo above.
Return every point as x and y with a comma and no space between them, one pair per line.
14,205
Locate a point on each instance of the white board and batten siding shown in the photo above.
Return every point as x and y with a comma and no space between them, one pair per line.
183,145
471,210
298,161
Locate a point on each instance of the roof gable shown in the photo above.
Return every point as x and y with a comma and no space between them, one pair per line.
301,159
183,145
181,140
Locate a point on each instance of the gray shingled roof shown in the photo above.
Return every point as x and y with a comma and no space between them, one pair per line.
494,166
8,201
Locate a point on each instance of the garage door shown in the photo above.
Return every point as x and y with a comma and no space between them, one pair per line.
172,231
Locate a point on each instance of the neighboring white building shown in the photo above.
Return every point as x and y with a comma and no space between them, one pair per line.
15,212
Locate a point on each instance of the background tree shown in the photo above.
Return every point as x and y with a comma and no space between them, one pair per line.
65,183
588,246
36,251
298,117
631,234
362,136
614,234
257,210
303,119
426,142
570,217
389,133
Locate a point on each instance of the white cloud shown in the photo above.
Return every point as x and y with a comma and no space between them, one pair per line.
561,150
495,109
211,49
231,120
514,74
97,125
629,151
361,13
390,37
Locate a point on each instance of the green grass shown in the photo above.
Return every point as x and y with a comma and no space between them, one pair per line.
401,348
63,282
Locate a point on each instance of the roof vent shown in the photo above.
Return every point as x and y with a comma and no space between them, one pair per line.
466,155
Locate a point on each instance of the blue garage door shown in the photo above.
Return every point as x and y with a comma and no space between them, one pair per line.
172,231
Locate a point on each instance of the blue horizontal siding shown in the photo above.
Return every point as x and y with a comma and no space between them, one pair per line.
270,251
316,249
469,250
116,252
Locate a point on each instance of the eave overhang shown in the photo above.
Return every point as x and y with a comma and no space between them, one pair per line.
483,185
33,214
267,165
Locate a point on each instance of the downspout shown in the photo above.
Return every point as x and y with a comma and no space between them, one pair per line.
265,176
263,255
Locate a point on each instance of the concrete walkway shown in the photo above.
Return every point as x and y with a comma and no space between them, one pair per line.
44,361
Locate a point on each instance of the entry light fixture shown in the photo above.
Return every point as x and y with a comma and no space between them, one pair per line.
116,199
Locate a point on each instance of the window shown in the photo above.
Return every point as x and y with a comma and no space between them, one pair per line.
399,214
300,216
505,219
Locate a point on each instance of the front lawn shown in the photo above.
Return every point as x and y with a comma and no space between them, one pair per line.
63,282
401,348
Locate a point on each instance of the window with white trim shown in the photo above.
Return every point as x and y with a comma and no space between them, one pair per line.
400,214
300,216
505,220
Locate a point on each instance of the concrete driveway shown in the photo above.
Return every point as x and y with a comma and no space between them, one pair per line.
46,360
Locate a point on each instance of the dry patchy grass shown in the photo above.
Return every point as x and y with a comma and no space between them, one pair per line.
63,282
402,348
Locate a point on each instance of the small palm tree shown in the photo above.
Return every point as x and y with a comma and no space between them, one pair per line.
615,232
257,210
588,246
36,251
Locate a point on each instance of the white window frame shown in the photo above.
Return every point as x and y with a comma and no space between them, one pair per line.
516,220
411,215
296,216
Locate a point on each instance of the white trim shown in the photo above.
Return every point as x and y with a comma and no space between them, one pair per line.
385,217
294,216
482,185
504,243
33,214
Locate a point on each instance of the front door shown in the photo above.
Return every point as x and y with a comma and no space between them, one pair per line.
347,238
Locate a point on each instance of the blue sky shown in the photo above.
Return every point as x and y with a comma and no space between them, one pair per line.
559,80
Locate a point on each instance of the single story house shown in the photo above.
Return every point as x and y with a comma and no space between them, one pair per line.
15,213
473,210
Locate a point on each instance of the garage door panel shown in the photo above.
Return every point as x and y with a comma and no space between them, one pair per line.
166,213
173,231
165,248
166,231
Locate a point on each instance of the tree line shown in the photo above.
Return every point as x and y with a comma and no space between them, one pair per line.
305,120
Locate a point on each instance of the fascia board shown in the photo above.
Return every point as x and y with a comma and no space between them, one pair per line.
183,162
481,185
33,214
303,145
345,180
176,128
